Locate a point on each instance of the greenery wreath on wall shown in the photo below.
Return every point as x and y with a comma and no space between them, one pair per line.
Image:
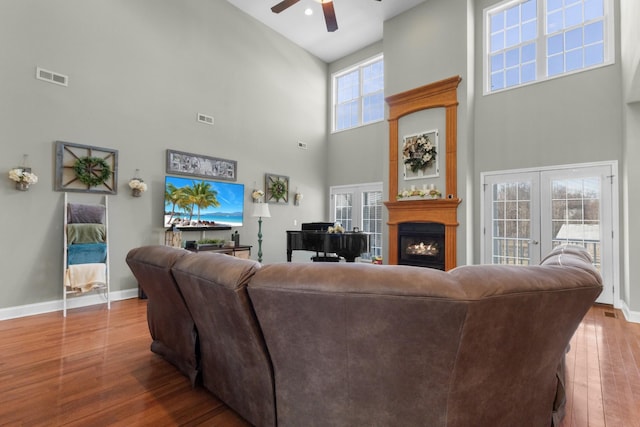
92,171
418,152
278,189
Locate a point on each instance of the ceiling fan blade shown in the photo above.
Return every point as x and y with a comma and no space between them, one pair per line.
285,4
330,16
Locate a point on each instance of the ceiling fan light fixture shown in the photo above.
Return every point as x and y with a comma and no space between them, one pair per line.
327,9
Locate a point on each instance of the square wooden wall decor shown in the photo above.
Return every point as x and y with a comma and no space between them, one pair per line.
86,169
276,188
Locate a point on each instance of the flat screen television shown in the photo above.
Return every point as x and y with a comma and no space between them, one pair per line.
200,204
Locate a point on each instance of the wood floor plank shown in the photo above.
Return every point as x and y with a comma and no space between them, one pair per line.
95,368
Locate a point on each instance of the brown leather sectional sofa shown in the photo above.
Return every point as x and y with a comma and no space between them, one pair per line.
367,345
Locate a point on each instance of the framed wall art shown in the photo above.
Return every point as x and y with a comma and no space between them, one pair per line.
181,163
420,155
86,169
276,188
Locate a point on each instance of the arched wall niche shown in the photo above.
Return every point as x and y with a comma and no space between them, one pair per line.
441,94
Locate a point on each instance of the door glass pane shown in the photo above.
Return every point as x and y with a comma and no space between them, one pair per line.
575,214
511,223
372,221
344,206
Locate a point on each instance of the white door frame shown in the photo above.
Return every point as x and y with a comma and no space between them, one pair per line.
613,245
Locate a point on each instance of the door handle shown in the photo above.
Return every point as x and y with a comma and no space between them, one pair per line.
534,242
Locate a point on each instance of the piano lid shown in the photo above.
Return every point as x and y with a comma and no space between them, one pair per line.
316,226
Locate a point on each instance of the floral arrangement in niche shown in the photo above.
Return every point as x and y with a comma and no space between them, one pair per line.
419,152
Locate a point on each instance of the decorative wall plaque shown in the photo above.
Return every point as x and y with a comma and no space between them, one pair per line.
276,188
86,169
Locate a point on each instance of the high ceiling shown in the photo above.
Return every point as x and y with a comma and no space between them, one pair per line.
359,23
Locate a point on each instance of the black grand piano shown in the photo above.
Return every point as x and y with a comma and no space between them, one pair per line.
327,246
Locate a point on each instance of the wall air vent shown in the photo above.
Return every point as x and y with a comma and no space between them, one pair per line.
52,77
203,118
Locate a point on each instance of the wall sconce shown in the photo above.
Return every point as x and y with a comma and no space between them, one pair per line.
23,176
257,195
296,199
137,185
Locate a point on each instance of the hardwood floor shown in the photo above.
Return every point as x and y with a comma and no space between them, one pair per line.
603,372
95,368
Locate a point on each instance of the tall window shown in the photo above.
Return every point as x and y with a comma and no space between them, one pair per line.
534,40
360,206
358,95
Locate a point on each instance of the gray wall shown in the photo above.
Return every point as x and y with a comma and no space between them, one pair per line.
630,34
139,71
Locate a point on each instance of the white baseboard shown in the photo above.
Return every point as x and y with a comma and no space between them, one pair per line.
630,316
57,305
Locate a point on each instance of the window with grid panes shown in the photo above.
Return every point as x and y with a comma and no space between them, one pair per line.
534,40
358,95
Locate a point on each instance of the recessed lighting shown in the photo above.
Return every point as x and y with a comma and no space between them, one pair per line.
308,11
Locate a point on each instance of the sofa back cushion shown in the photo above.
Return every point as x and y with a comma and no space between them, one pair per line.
170,323
356,344
514,339
235,363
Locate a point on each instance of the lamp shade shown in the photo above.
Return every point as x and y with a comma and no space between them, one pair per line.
261,210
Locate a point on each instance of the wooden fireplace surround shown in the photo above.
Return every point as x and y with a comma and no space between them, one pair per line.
442,94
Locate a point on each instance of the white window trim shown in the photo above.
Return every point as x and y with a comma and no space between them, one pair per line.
541,63
334,76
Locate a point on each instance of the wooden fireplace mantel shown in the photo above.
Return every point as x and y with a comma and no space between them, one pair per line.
441,94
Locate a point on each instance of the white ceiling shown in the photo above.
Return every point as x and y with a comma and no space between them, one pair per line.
359,23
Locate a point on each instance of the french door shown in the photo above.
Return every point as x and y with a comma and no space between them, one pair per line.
528,213
359,206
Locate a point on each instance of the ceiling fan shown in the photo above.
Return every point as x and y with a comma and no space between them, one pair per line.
327,9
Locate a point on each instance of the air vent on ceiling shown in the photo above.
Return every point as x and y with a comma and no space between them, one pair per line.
203,118
302,145
52,77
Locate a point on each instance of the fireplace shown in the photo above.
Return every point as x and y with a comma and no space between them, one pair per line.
421,244
444,212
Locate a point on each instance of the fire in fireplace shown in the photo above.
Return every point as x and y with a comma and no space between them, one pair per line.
421,244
